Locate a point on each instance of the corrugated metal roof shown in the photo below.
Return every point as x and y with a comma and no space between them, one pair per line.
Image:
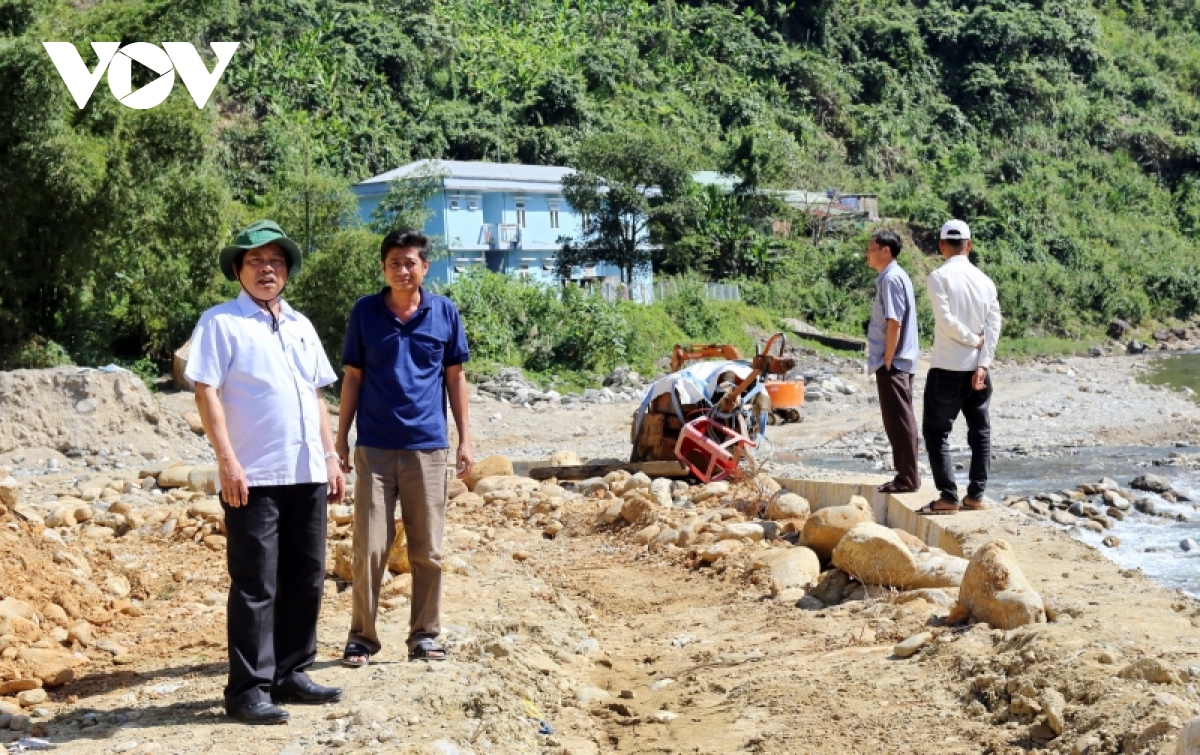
475,170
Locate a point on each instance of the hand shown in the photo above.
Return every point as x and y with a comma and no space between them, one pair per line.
979,379
234,489
342,447
981,342
337,481
464,459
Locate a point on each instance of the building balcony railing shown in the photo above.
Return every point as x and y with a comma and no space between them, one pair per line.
502,235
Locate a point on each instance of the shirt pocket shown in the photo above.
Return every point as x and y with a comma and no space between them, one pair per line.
426,352
302,356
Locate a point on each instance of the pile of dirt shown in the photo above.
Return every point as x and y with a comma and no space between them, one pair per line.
79,410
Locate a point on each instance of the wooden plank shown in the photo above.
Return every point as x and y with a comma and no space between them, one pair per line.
585,471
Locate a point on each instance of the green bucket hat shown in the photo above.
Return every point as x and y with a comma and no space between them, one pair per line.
260,233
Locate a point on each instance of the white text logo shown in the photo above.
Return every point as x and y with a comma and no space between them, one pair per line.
118,61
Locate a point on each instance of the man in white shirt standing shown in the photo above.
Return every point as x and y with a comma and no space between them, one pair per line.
966,317
259,369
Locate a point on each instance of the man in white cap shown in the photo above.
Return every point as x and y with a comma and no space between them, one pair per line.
966,317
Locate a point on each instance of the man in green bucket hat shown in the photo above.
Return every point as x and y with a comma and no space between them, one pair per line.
259,368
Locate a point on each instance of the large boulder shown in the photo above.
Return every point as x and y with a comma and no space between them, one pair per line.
826,527
636,504
343,560
492,466
1151,483
995,591
19,619
787,506
937,569
874,555
791,571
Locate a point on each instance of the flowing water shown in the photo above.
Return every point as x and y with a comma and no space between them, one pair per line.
1178,372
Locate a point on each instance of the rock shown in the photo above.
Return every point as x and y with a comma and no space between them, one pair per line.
910,646
492,466
455,488
81,633
497,483
9,488
913,542
612,513
711,490
215,543
116,585
343,560
18,619
53,667
194,422
647,534
996,592
1112,541
564,459
1187,545
341,514
826,527
31,697
63,516
830,587
635,506
585,696
810,603
398,562
720,550
741,531
791,569
1188,742
13,686
174,477
660,492
1151,670
553,528
787,506
1063,518
937,569
1136,347
666,536
203,480
1150,483
1117,330
1116,500
874,555
1052,703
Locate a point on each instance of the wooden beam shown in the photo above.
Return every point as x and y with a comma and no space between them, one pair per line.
586,471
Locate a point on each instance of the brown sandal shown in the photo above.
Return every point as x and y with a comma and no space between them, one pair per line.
892,487
940,507
971,504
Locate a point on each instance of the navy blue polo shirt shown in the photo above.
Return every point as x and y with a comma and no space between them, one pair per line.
402,405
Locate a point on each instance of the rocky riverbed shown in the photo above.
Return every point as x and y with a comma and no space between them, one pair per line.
606,616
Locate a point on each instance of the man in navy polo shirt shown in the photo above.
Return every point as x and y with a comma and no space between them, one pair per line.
403,357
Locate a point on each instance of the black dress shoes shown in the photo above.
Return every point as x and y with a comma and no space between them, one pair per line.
260,713
305,692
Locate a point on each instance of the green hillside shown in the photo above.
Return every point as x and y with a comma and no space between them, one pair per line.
1062,131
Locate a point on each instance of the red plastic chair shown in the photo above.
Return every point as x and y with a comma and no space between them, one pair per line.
710,460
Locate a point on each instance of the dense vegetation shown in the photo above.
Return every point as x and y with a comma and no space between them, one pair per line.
1062,130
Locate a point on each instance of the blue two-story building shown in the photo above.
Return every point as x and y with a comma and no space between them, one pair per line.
505,217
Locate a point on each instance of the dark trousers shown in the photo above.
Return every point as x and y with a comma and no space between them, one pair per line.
276,555
948,392
895,404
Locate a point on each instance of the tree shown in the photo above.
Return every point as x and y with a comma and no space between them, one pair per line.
627,186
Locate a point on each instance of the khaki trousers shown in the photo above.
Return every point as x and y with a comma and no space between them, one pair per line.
417,479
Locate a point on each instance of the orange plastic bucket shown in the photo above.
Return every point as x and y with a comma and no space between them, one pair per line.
786,394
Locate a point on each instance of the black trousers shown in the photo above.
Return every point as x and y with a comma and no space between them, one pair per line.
895,404
948,392
276,555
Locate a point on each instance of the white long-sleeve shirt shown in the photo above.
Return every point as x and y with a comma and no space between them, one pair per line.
964,308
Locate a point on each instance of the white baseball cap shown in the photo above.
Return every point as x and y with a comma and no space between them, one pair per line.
955,230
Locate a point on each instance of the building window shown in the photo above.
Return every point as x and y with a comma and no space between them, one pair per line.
454,204
554,214
472,204
520,214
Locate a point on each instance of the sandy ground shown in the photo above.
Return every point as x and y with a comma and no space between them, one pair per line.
621,650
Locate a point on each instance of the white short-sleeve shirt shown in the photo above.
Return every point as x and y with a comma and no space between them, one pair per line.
267,381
